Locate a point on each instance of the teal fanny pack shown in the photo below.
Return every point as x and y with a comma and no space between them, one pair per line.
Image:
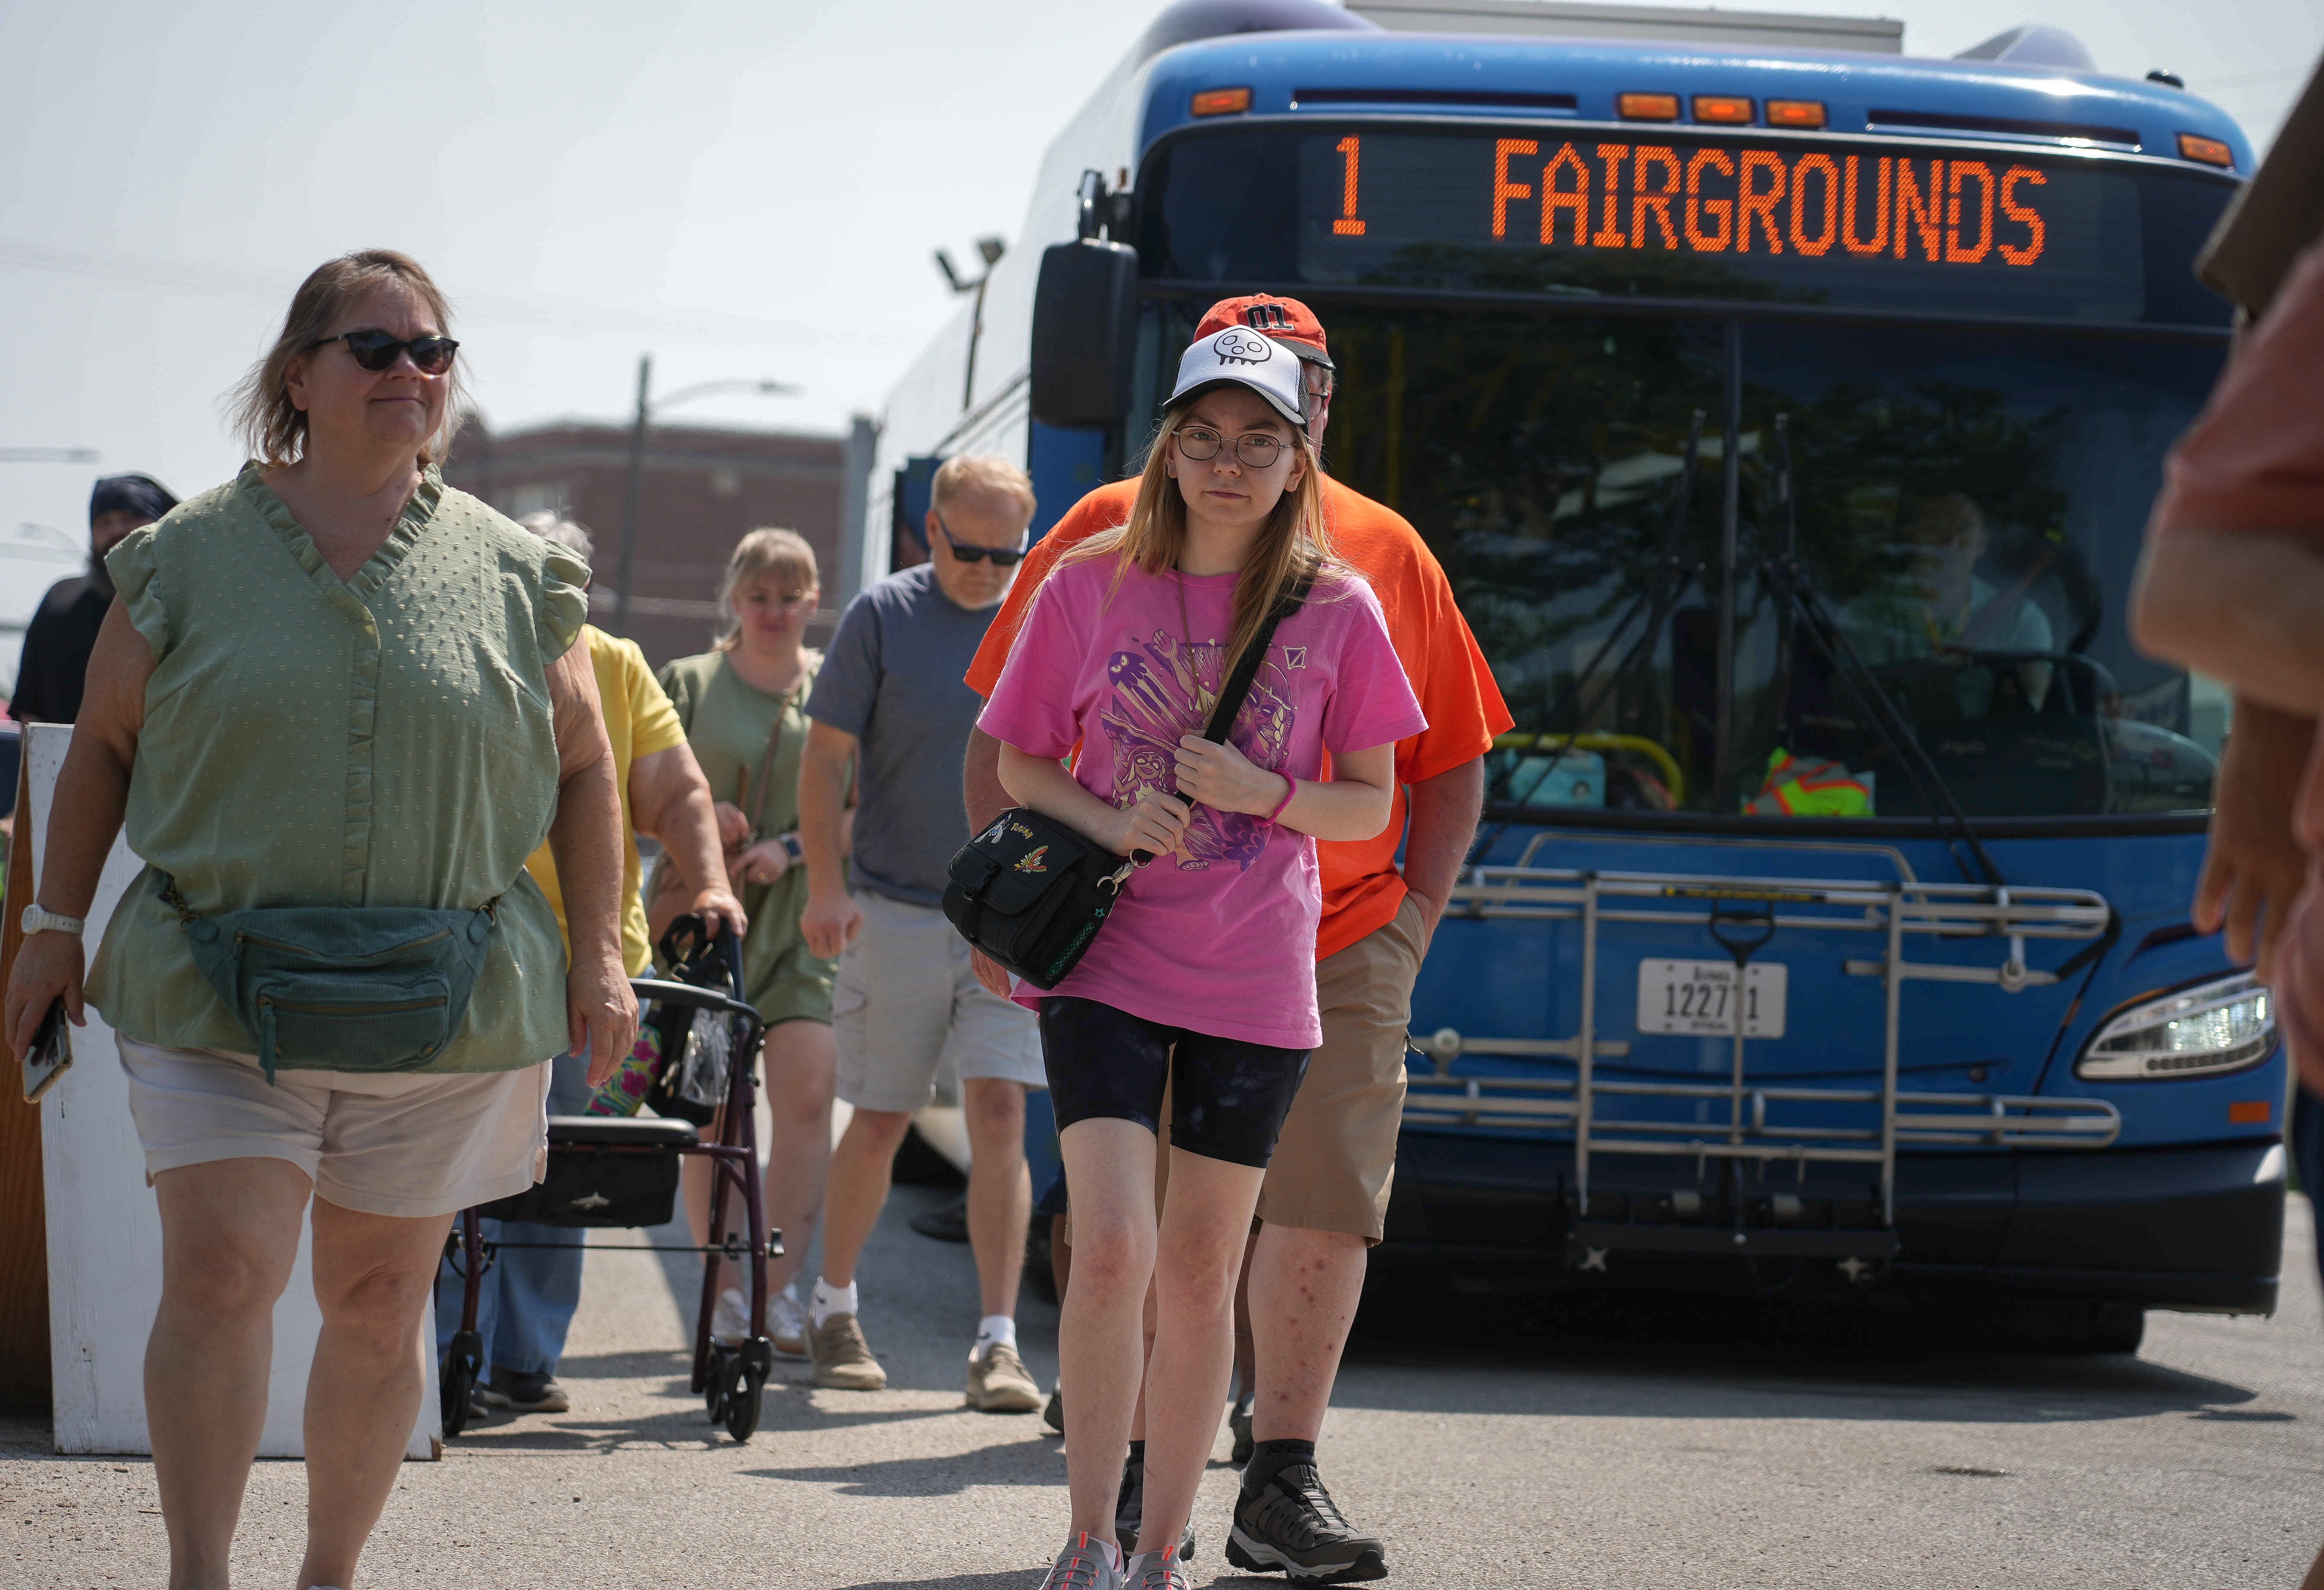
327,987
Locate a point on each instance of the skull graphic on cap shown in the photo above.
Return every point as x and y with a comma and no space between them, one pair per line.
1241,347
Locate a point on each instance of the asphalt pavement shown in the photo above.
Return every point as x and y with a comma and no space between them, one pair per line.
1496,1443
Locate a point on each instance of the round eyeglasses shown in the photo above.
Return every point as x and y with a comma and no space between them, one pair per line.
1256,449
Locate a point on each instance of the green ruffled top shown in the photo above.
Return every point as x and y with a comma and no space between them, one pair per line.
382,741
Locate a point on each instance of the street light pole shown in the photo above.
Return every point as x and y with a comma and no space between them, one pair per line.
629,490
635,483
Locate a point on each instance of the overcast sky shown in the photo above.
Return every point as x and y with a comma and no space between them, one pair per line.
746,189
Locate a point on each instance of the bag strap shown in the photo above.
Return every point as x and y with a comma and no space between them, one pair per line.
1236,687
765,780
1246,674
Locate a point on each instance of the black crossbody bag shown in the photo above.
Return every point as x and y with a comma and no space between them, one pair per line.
1031,893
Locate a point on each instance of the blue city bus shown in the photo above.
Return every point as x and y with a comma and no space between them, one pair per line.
1786,421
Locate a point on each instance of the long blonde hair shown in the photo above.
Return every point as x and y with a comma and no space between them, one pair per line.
1293,547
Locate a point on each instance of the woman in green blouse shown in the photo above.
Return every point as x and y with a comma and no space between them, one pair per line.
332,681
743,706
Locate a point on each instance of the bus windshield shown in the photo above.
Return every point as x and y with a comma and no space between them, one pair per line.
1965,507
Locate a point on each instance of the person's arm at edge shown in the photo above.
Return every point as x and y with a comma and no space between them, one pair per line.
2254,865
831,918
670,800
584,841
1445,811
85,817
2246,608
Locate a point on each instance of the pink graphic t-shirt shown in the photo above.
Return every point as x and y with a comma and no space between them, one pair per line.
1223,941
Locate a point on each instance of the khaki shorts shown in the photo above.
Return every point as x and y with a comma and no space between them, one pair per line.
907,1005
401,1145
1335,1158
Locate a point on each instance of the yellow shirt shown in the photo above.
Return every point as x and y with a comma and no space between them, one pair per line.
640,722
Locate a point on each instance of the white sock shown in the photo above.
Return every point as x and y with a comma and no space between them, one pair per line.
790,1291
994,1330
830,1300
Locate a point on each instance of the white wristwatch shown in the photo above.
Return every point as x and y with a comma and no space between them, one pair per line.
37,921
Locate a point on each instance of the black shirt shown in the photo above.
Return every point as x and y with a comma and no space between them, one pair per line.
57,643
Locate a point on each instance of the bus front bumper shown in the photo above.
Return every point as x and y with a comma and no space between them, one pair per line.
2196,1228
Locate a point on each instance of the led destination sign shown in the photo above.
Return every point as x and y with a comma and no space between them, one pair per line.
1959,212
1728,216
1849,222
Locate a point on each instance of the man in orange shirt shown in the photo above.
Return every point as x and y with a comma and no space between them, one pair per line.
1325,1197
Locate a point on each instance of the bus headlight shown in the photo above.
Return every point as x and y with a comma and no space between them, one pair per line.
2217,1026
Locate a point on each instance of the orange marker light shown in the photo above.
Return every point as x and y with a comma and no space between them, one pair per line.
1793,112
2209,151
1647,108
1729,110
1221,102
2249,1112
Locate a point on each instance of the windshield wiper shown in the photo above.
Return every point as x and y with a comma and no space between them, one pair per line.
1790,581
1657,600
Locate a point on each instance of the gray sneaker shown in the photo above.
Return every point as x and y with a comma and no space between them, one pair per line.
1154,1570
842,1358
1084,1565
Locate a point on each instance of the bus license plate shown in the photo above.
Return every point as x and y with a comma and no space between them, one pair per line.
1696,998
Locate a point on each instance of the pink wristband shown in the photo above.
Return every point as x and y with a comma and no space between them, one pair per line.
1290,789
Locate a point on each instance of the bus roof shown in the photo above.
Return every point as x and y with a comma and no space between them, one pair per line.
1372,73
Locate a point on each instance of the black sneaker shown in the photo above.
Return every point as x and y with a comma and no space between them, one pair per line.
1129,1513
527,1394
1290,1525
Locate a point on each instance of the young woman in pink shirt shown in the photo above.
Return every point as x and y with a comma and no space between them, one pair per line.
1203,978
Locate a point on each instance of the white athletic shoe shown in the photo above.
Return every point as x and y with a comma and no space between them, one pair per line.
788,1324
731,1320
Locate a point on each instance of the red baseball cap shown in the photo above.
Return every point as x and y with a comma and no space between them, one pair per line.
1286,320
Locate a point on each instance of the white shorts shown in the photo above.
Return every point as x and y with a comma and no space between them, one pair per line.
907,1003
397,1143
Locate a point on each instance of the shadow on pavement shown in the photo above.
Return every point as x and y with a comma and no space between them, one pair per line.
1014,1463
1023,1579
1644,1355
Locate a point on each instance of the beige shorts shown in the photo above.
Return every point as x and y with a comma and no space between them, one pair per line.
907,1006
400,1144
1335,1157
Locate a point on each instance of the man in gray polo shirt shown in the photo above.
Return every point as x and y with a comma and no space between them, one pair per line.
907,1000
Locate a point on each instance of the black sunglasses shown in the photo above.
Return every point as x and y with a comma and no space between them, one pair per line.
376,351
1003,557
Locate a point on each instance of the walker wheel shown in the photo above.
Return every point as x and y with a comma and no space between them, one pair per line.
756,1362
462,1362
719,1384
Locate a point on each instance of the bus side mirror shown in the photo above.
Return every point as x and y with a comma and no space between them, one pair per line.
1084,330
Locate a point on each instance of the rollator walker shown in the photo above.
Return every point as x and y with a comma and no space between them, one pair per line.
623,1172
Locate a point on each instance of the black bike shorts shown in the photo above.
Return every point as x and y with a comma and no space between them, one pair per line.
1228,1098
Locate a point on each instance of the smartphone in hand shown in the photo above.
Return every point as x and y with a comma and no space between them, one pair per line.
50,1055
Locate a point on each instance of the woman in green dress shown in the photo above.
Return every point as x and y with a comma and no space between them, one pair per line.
744,704
333,682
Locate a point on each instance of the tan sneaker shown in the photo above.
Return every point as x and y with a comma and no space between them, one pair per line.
997,1383
842,1358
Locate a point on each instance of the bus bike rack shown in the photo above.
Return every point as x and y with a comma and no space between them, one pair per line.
2005,916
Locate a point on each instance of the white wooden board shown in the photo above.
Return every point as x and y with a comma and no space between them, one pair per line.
104,1234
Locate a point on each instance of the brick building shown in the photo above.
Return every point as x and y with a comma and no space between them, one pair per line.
702,489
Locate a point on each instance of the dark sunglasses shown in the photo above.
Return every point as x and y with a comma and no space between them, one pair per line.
1003,557
376,351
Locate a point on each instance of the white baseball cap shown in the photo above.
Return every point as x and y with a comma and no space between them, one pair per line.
1250,359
